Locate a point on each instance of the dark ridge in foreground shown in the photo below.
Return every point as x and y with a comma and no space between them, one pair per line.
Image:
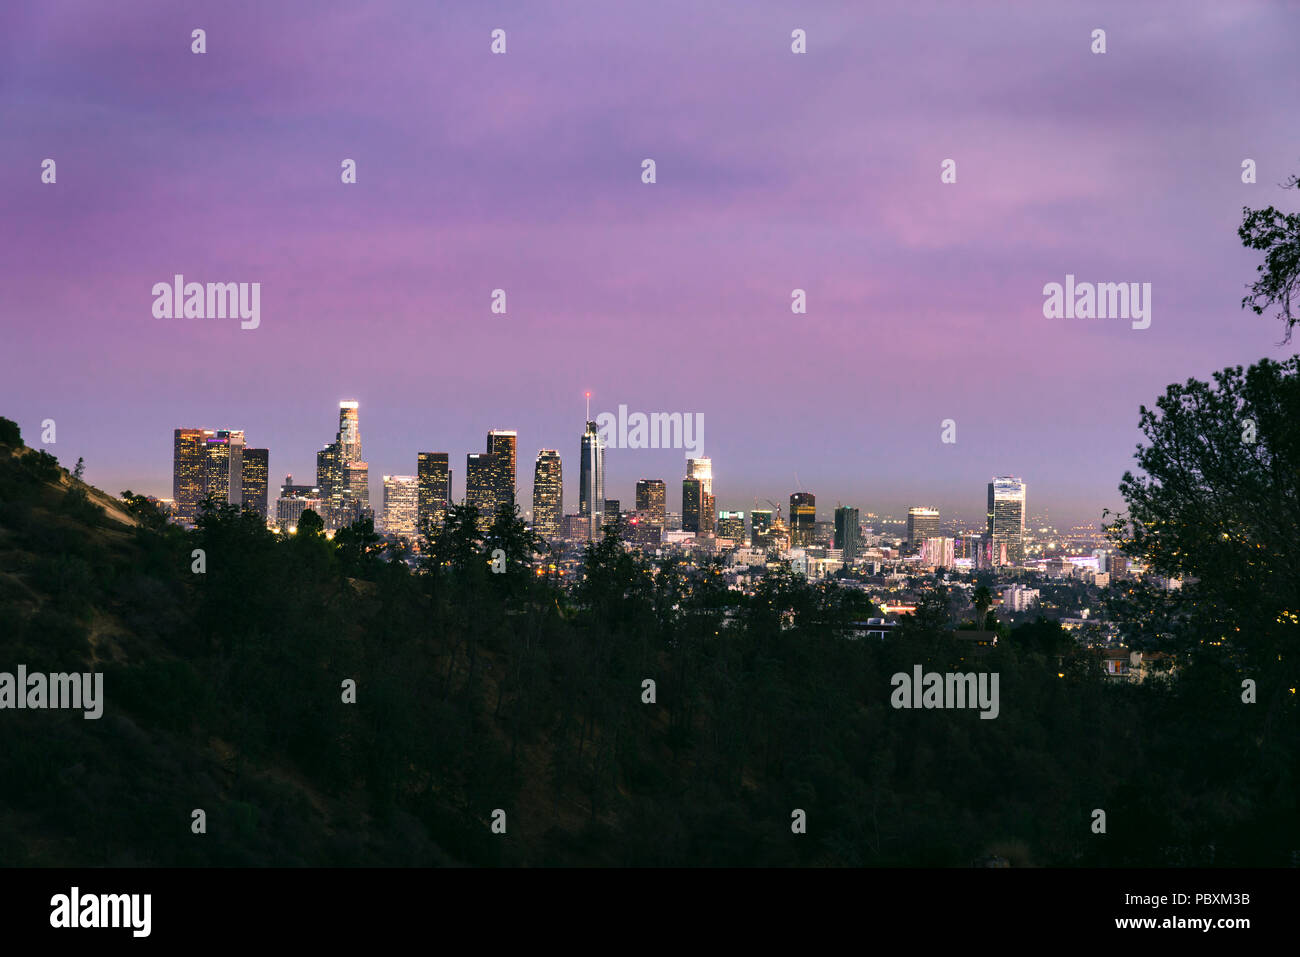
478,692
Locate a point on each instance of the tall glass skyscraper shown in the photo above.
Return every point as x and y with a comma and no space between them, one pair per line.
342,476
652,498
433,479
591,488
223,466
548,494
188,453
256,480
803,518
1006,518
349,436
501,445
480,486
401,504
329,479
922,523
760,521
731,525
356,483
701,469
693,505
848,532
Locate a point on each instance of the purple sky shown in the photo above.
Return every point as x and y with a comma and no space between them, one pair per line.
522,171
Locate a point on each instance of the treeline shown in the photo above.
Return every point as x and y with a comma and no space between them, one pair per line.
478,691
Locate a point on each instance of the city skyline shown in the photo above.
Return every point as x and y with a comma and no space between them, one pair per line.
491,480
469,181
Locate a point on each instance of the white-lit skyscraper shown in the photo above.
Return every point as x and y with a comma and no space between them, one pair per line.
701,469
1006,518
401,504
349,437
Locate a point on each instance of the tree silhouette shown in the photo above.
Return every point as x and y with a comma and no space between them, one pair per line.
1277,234
1219,508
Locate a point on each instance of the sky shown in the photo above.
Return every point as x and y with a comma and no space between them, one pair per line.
775,171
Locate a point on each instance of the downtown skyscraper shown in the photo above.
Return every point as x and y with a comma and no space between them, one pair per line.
223,466
731,525
693,505
342,476
401,504
591,482
701,470
1006,520
490,476
433,482
480,487
848,532
548,494
922,523
255,479
803,518
349,434
652,499
502,446
187,472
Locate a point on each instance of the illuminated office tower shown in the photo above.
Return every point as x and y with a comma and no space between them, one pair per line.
501,445
216,466
255,480
701,469
349,435
356,485
342,475
480,487
652,498
731,525
223,466
922,523
548,494
760,523
1006,519
591,488
803,519
708,513
433,478
188,451
848,532
692,504
401,504
356,481
329,479
235,475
